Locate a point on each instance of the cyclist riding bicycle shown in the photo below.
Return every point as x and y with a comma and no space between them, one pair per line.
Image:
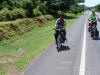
60,24
93,17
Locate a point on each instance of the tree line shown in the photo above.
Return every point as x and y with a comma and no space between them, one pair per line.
97,8
32,8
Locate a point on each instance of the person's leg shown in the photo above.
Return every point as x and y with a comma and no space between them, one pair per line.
96,24
89,26
64,31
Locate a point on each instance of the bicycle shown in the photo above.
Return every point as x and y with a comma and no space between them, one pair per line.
93,30
60,38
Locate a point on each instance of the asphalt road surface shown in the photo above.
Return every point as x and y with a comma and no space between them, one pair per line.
81,58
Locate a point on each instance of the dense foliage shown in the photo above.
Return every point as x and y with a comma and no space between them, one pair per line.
97,8
33,8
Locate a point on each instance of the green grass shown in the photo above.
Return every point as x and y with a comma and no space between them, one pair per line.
29,45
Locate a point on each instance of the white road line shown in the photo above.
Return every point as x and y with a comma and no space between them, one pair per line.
83,55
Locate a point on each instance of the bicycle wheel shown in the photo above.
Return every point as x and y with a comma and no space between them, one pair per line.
59,42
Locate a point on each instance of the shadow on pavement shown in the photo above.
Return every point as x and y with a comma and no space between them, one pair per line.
97,38
64,48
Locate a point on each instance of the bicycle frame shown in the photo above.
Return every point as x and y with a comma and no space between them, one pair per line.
93,29
59,38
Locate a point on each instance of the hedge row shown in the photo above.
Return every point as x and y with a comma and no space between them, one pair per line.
8,15
21,26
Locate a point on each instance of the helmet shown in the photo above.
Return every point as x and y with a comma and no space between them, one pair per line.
93,10
61,15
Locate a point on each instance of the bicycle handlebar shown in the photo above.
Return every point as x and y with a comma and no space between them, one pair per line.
57,29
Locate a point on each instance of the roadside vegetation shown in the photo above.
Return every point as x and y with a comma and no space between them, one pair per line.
97,8
26,29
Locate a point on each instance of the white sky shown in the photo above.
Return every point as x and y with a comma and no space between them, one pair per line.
91,3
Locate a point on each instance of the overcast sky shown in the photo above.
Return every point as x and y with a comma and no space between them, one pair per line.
91,3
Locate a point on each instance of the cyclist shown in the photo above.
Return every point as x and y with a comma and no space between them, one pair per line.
60,24
93,17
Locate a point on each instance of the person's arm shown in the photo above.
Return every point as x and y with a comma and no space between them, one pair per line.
89,17
64,24
96,16
57,21
55,27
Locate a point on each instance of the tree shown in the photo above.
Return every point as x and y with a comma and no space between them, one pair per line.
97,8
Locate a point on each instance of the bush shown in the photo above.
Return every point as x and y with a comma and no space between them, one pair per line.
4,4
29,6
36,12
17,13
97,8
61,12
4,29
43,8
4,14
49,17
